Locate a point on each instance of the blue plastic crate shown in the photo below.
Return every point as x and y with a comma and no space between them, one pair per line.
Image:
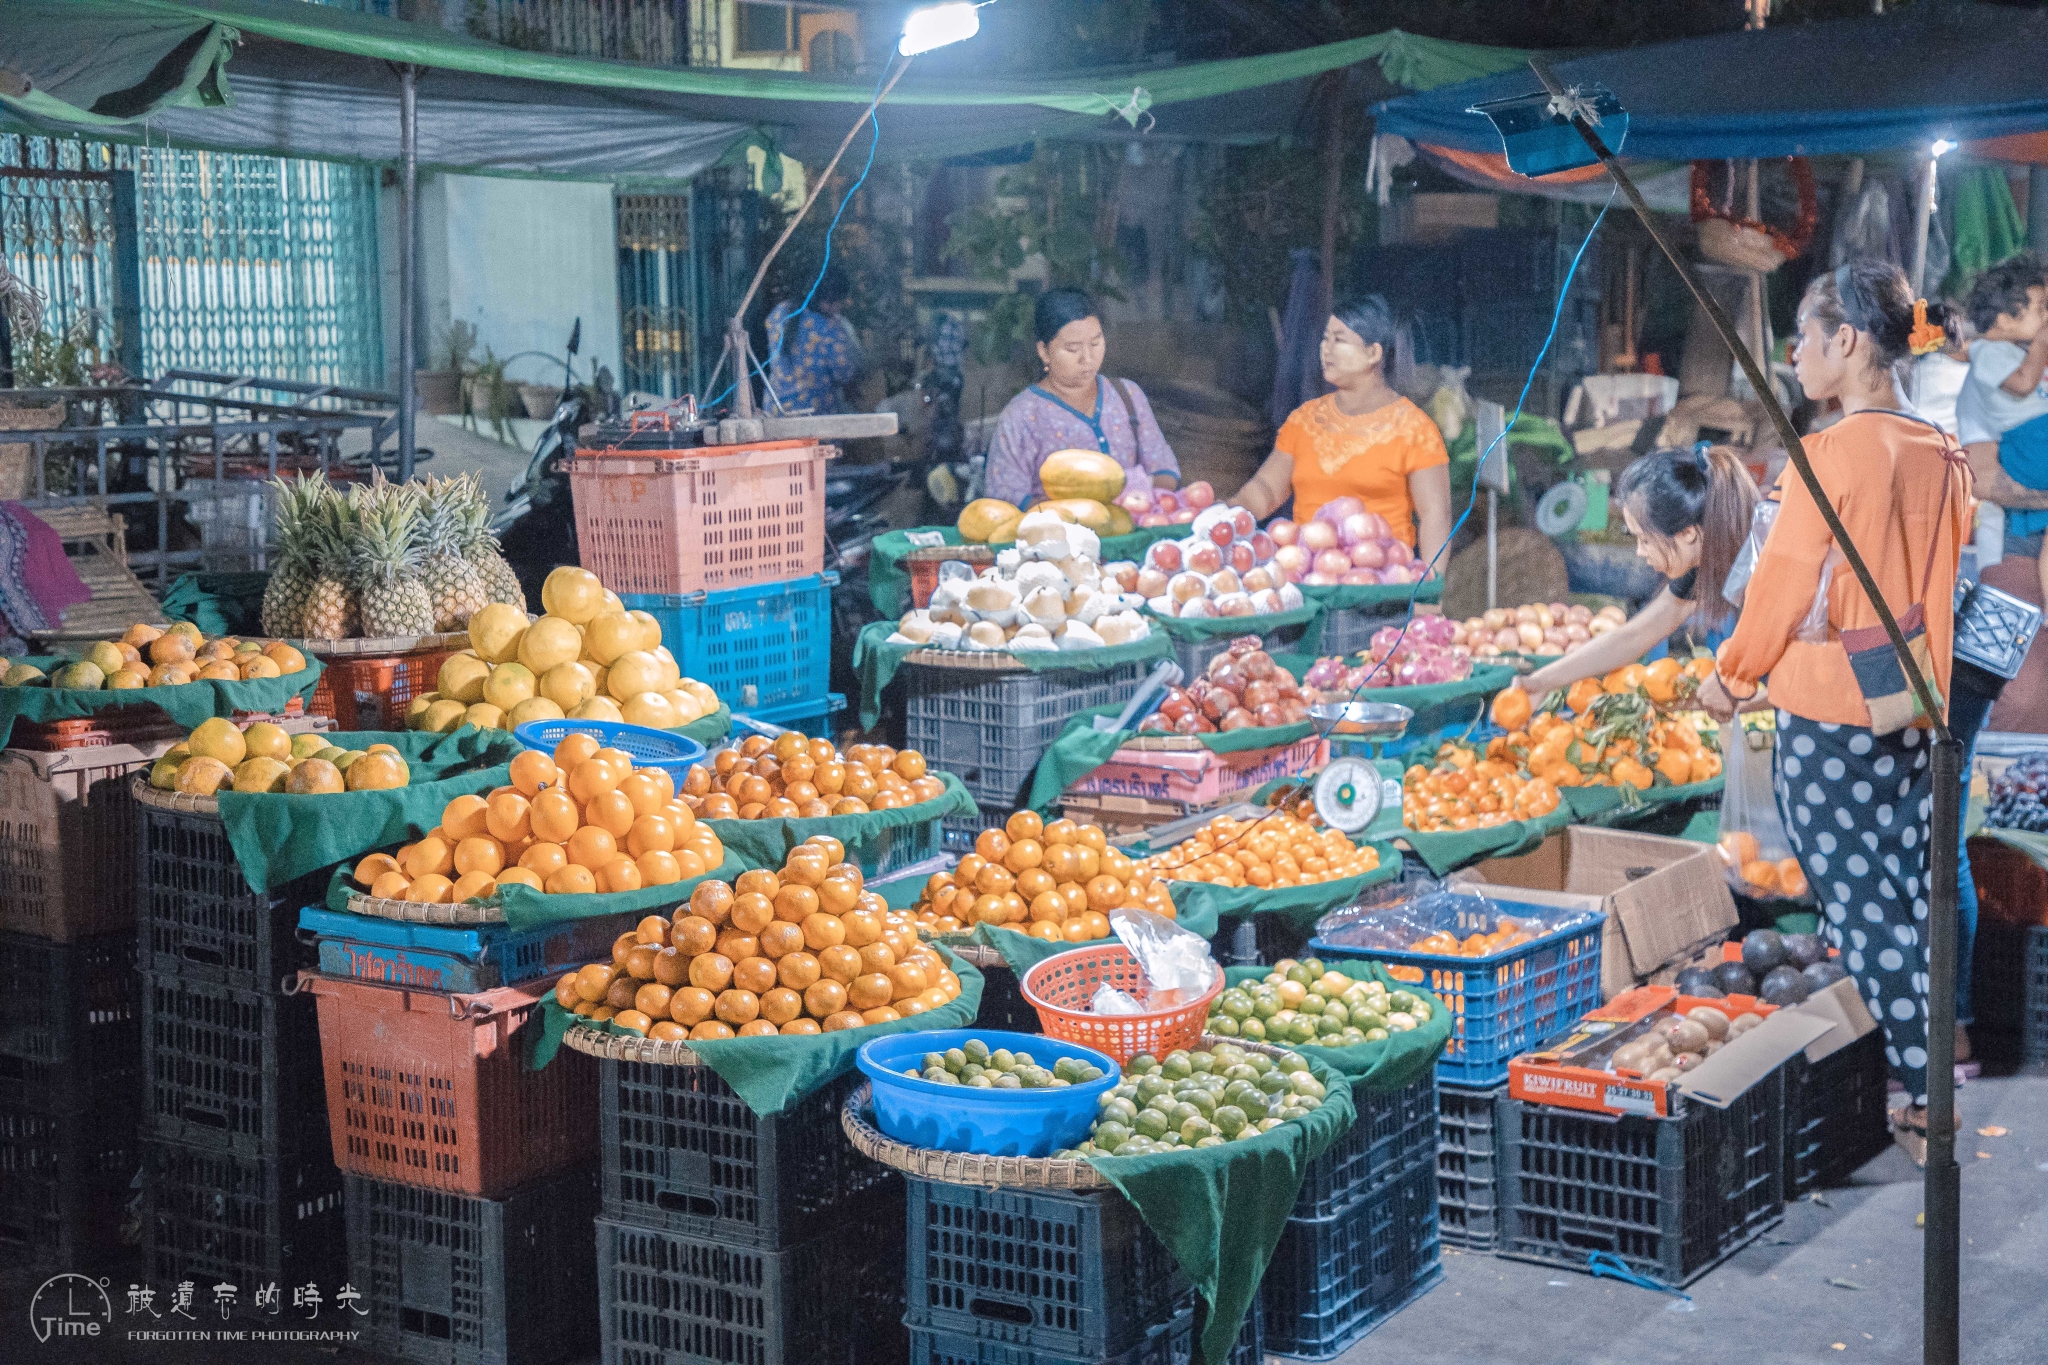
812,717
1395,1134
1168,1343
1502,1005
767,645
1468,1165
1332,1280
434,957
672,753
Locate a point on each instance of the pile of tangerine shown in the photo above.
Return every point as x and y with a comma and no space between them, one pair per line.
581,820
1055,882
1507,934
792,777
1276,849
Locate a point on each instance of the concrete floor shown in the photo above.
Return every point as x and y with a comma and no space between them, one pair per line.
1772,1303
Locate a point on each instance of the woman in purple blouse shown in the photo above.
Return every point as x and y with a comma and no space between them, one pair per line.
1074,408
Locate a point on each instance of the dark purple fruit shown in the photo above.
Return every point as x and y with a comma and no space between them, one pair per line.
1693,979
1824,973
1735,979
1803,950
1785,986
1763,951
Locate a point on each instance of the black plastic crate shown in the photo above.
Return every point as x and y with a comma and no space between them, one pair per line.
65,1183
198,915
1835,1116
1395,1135
1468,1165
1169,1343
2034,1022
989,729
667,1299
1003,1005
682,1151
209,1216
453,1280
1349,630
70,1022
1332,1280
1670,1197
234,1069
957,833
1250,1346
1273,937
1063,1273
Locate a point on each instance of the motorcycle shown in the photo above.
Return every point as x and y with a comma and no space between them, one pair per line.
537,528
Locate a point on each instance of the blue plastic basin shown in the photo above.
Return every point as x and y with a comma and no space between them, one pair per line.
960,1118
674,754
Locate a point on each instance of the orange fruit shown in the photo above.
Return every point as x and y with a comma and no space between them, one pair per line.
593,777
463,818
780,1005
1739,848
869,991
650,833
754,975
432,889
620,874
1761,875
907,979
841,964
374,866
533,770
573,879
592,846
799,971
711,1030
735,944
823,999
479,855
779,939
611,812
823,932
737,1006
573,749
693,934
1791,877
520,876
508,816
554,816
429,855
645,790
391,886
880,1014
711,971
653,1000
659,869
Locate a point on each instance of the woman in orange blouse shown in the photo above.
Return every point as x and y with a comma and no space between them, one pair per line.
1856,803
1364,440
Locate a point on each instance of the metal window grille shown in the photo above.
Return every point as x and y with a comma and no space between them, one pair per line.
656,291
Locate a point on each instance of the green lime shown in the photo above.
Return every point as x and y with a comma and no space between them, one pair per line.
1110,1136
956,1059
1224,1025
1252,1029
1007,1080
975,1051
1002,1059
1229,1120
1141,1064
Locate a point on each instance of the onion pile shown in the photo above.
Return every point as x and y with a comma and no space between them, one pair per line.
1343,543
1151,506
1242,688
1428,653
1225,568
1555,628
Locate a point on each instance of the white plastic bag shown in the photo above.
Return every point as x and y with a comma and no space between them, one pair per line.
1758,858
1178,965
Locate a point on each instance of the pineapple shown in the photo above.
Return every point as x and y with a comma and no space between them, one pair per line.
389,594
330,608
453,584
290,587
481,548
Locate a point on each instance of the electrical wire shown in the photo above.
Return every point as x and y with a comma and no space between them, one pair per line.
1556,317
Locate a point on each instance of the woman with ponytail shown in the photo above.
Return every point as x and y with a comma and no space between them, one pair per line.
1689,511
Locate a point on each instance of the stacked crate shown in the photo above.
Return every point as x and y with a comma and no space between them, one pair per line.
69,1000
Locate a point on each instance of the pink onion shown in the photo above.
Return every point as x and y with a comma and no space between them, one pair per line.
1136,501
1182,517
1352,530
1292,559
1507,637
1336,509
1367,554
1318,535
1335,563
1323,672
1285,532
1361,577
1399,573
1155,519
1319,580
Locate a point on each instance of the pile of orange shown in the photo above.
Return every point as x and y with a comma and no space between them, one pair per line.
1604,733
1761,877
579,821
1054,882
1507,934
1463,790
801,951
1275,849
792,777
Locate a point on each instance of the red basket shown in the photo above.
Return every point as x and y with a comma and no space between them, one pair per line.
1061,986
432,1090
371,693
703,519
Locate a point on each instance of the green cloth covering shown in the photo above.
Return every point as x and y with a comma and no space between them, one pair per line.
765,843
526,908
1081,749
877,662
1435,706
279,838
889,575
1204,628
1450,850
1985,224
1024,952
1221,1210
1343,596
1202,902
187,704
1528,430
2035,846
218,603
1392,1062
1703,828
708,730
772,1074
1618,806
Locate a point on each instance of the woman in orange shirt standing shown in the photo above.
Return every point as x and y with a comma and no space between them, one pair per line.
1853,781
1365,441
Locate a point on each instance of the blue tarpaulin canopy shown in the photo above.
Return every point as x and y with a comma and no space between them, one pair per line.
1935,70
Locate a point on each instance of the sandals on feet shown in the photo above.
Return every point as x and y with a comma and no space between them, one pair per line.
1911,1134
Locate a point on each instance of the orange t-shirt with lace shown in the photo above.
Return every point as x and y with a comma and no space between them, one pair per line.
1368,457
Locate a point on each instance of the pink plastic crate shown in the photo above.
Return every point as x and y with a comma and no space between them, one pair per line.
702,519
1198,776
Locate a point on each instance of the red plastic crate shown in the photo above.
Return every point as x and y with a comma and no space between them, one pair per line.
432,1090
371,693
702,519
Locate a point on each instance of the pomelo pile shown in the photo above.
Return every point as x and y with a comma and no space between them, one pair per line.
793,777
579,821
804,950
1055,882
220,755
161,656
587,659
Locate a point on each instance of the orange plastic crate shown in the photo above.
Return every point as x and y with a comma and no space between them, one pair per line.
371,693
1060,987
702,519
432,1090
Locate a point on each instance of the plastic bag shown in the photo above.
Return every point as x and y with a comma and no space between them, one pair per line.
1757,856
1178,966
1739,573
1814,629
1109,1000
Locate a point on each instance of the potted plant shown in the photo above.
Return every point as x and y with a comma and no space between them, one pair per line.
440,391
491,396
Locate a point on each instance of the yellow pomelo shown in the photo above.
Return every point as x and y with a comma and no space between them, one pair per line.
443,716
671,672
649,708
264,740
416,709
314,777
494,632
260,775
611,635
308,746
573,594
549,641
123,679
597,708
633,673
533,708
462,678
510,684
163,774
568,685
203,776
703,693
218,738
485,716
107,657
688,708
650,629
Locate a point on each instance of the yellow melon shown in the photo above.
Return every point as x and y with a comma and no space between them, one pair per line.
989,520
1081,474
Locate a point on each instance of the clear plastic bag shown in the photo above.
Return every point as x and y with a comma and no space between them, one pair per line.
1178,965
1739,573
1814,629
1758,857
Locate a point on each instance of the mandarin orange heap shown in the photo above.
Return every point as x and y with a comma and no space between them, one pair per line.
582,820
1464,791
1507,934
1277,849
1053,882
804,950
792,776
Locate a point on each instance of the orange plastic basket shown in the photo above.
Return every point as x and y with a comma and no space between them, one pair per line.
371,693
1061,986
432,1090
703,519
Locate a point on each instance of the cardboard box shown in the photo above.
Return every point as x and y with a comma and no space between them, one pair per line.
1666,900
1572,1072
1842,1006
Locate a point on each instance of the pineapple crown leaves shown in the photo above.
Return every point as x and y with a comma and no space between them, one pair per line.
387,519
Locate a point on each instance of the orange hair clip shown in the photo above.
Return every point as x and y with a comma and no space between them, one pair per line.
1925,338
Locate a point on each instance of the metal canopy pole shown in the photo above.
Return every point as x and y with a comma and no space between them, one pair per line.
408,263
1941,1195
